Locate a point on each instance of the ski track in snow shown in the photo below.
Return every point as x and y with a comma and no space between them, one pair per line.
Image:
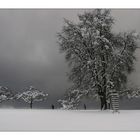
64,120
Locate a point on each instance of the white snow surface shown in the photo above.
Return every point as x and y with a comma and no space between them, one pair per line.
68,120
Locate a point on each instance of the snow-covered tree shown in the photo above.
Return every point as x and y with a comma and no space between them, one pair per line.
131,93
5,94
72,99
32,95
100,59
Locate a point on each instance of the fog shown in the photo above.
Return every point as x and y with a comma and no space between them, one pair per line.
29,53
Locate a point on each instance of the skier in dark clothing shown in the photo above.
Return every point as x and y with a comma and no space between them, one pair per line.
52,106
85,107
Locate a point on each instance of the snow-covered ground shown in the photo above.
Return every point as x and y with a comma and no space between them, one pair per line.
60,120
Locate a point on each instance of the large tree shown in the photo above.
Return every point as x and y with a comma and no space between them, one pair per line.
100,59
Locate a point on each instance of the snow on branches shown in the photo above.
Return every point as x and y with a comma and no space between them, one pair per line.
32,95
5,94
98,57
132,93
72,99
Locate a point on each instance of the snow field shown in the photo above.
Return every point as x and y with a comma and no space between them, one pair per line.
68,120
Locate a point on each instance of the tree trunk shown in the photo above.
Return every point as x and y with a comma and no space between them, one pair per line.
103,102
31,104
108,105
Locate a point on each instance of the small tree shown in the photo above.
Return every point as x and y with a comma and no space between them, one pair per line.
132,93
5,94
32,95
71,99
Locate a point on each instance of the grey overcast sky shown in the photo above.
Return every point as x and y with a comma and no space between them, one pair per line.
29,54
